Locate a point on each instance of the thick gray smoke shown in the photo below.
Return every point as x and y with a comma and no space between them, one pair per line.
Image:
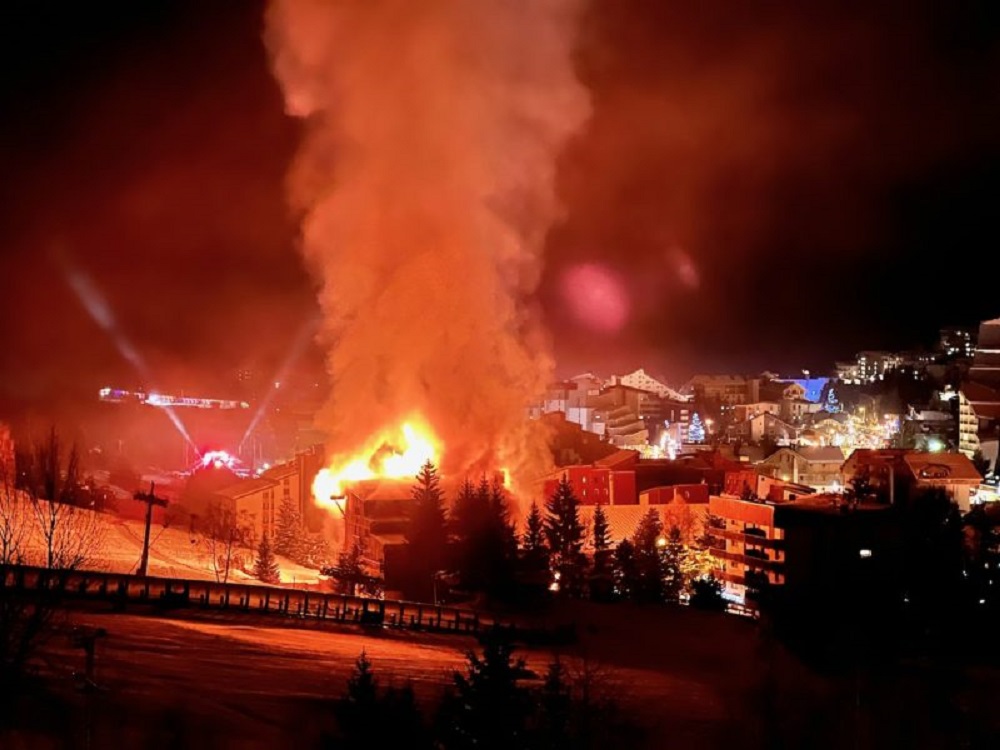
426,183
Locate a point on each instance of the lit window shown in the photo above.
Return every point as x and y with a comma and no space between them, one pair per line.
865,553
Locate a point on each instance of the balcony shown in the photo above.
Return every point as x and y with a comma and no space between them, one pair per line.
750,561
748,537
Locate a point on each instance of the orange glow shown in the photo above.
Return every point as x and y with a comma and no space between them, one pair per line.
392,453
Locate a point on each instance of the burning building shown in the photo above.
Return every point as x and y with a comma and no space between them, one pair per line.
425,187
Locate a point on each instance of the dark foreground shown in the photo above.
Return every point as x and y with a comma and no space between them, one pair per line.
690,679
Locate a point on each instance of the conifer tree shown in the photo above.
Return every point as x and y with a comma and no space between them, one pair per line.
626,570
358,711
500,541
602,573
469,518
368,717
488,709
649,544
535,558
265,567
673,556
565,536
349,570
696,430
289,533
555,710
427,534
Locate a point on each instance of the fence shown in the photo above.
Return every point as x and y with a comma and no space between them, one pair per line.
121,590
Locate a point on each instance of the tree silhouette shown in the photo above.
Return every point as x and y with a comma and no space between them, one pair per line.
289,533
427,534
369,717
469,519
626,568
265,567
673,555
649,544
488,708
602,572
565,536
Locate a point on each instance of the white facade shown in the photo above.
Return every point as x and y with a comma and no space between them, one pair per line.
968,427
644,382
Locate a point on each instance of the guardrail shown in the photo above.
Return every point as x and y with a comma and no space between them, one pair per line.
121,590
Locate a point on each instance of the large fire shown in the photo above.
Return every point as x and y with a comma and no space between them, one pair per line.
393,454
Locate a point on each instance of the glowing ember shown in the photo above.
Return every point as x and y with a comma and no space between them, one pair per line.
390,454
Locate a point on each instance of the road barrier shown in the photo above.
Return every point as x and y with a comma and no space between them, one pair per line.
121,590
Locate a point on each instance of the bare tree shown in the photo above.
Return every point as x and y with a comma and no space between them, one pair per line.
71,537
38,519
227,531
14,519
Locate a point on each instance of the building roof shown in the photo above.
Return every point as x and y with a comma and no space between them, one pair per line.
826,502
280,471
980,393
246,487
822,453
620,459
941,466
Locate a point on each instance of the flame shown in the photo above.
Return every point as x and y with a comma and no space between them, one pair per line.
392,454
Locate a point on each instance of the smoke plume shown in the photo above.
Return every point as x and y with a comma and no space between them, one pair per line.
426,185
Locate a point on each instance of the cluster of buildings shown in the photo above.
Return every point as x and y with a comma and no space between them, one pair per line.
785,520
859,406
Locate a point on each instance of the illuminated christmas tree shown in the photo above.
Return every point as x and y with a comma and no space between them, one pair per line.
696,430
832,405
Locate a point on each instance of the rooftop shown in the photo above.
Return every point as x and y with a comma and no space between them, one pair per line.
931,466
246,487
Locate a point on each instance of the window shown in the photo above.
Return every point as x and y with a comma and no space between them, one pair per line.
864,553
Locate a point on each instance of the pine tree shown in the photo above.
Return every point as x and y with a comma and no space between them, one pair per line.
289,533
489,709
555,708
602,573
368,717
565,536
349,571
535,558
358,711
626,570
486,543
469,518
427,535
673,556
649,544
500,543
265,567
696,430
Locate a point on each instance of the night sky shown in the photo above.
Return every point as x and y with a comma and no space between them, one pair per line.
775,186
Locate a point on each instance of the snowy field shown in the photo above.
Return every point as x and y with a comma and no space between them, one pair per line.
209,682
175,553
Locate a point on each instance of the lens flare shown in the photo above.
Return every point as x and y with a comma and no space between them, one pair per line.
97,307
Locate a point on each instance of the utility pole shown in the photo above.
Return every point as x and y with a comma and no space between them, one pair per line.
150,499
